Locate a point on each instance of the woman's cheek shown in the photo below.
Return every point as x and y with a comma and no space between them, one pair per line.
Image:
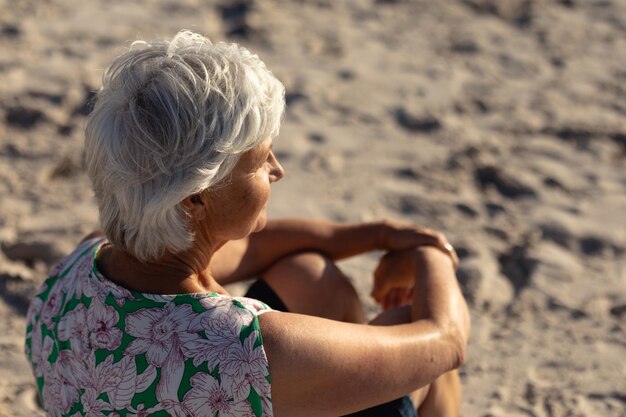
264,187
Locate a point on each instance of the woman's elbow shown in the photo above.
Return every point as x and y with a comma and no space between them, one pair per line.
459,328
457,337
459,357
461,340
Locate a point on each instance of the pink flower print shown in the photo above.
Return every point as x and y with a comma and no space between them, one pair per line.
156,330
222,335
78,281
73,327
40,351
141,411
42,289
58,393
98,377
254,305
266,401
174,408
92,405
58,268
119,380
34,310
159,333
51,306
70,368
219,311
160,298
125,382
246,367
102,321
207,397
169,382
211,302
243,409
104,287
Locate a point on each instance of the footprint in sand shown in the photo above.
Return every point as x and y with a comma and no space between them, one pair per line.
23,117
416,123
506,184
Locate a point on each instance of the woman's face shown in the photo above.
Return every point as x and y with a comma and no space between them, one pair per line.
238,207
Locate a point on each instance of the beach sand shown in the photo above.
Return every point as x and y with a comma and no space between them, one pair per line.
501,123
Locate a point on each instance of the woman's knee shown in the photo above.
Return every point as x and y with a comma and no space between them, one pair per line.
311,283
311,267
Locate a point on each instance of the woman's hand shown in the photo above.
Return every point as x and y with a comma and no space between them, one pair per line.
397,236
394,278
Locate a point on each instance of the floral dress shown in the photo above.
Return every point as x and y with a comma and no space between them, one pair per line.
98,349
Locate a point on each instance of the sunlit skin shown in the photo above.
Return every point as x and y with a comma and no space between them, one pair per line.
405,350
231,211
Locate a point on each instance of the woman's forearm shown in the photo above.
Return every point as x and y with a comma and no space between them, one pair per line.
335,240
437,296
250,257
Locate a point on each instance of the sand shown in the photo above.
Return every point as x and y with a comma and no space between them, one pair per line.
501,123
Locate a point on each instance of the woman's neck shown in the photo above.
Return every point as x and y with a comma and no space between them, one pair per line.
183,273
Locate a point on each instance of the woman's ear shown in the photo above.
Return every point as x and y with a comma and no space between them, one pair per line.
194,205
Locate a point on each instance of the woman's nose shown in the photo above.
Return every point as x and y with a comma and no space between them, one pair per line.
277,170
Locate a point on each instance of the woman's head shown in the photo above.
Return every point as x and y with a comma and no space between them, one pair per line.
171,120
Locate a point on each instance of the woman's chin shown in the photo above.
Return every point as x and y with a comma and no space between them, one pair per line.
260,226
260,223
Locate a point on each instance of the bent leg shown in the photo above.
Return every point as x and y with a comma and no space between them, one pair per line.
310,283
442,398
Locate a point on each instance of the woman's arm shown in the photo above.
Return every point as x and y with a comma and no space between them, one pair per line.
326,368
249,257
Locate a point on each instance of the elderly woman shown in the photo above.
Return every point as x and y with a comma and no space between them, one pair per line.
135,321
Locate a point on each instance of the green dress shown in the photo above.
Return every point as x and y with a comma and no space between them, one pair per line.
98,349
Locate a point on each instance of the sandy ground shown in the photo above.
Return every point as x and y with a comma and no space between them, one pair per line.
500,122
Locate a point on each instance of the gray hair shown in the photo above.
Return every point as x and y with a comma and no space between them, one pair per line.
171,120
